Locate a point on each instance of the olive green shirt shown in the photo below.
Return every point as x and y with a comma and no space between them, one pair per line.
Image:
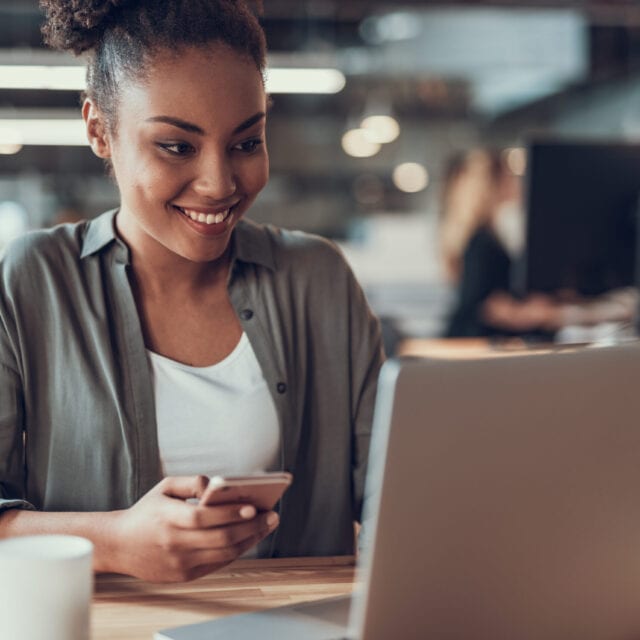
77,416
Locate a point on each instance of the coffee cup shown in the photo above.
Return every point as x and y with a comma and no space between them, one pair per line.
46,583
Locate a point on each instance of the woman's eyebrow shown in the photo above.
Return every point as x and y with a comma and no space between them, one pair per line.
177,122
194,128
249,122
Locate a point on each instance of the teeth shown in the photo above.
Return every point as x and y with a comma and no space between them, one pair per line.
207,218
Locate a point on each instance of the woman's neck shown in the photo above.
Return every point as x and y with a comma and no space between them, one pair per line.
158,270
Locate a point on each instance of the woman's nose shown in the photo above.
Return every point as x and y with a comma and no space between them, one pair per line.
215,178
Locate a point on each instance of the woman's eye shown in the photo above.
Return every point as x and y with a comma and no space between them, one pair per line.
177,148
249,146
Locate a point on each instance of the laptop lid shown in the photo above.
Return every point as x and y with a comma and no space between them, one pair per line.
508,499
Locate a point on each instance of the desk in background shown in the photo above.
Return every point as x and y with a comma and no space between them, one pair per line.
473,348
125,608
459,348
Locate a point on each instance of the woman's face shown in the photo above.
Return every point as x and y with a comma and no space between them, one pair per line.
189,152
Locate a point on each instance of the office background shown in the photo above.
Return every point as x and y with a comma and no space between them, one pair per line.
451,75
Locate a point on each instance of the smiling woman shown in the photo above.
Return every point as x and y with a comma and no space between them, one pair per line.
186,172
170,339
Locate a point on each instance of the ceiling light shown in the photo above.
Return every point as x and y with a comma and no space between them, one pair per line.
10,141
382,129
410,177
355,143
72,78
305,81
63,78
9,149
57,132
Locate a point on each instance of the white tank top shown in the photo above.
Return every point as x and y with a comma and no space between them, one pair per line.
215,420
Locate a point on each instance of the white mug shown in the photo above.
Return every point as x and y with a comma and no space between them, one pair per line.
46,583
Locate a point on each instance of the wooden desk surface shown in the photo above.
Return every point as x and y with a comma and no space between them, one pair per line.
471,348
127,608
447,348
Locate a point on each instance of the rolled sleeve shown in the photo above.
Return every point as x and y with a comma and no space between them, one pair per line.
5,505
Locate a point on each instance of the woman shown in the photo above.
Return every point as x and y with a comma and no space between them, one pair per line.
481,237
170,339
478,237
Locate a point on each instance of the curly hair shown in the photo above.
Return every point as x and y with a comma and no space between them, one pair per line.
121,36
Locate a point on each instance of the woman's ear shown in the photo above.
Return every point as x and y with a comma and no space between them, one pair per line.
99,139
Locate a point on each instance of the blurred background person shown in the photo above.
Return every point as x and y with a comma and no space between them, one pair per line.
482,235
357,154
481,232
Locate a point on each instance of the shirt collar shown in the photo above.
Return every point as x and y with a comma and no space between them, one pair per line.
100,232
250,242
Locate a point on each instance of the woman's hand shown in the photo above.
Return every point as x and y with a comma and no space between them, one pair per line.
164,538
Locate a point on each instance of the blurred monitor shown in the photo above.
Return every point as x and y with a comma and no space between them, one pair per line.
581,204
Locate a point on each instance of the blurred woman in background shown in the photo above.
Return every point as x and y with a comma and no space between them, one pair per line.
482,234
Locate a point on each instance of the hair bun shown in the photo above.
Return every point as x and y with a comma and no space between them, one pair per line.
77,25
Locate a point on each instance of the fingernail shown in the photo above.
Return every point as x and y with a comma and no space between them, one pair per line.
247,512
272,519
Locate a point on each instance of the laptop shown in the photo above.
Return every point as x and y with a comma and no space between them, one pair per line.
505,503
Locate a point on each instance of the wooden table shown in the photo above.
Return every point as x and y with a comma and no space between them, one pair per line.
472,348
127,608
443,347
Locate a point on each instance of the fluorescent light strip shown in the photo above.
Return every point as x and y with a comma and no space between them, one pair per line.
61,78
61,132
305,81
72,78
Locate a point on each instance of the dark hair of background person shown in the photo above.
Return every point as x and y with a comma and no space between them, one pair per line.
121,36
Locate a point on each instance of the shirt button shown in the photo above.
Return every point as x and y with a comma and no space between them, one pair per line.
246,314
281,387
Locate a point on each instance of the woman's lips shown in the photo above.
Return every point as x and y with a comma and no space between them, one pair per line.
211,223
205,218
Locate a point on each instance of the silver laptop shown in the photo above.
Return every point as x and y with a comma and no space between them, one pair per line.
506,504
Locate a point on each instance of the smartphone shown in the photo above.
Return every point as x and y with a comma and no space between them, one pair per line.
262,490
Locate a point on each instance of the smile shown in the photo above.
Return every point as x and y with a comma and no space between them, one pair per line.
206,218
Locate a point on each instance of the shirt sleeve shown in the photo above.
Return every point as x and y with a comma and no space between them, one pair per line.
367,356
12,466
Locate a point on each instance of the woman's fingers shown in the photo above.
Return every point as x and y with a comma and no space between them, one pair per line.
193,554
205,561
228,536
183,487
185,515
194,516
164,537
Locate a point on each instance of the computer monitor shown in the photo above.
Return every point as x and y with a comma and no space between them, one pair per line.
581,206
